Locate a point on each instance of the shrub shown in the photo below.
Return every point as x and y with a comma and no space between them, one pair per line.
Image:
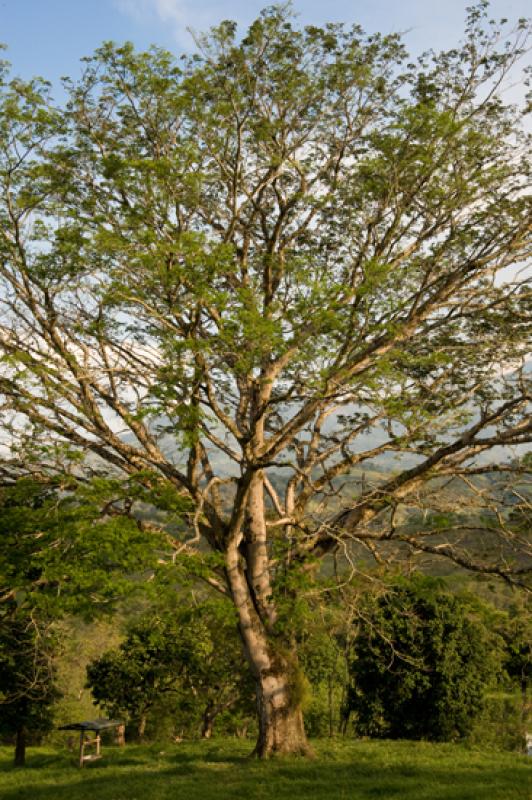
420,665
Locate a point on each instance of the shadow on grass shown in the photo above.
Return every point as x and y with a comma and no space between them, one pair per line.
214,776
36,762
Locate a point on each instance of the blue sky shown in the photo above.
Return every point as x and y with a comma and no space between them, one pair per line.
48,37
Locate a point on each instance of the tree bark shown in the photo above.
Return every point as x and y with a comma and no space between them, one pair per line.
279,712
20,747
120,735
281,728
207,724
141,727
280,717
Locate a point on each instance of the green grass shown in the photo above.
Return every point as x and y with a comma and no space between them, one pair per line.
221,770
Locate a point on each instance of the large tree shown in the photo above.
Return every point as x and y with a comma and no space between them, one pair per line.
248,273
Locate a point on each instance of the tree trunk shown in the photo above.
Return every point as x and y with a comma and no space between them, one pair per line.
207,724
331,709
141,727
281,729
242,732
20,747
524,701
344,722
120,735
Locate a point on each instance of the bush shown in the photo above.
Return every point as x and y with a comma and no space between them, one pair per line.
500,724
422,659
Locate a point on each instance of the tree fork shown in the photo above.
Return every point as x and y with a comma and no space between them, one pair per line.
280,717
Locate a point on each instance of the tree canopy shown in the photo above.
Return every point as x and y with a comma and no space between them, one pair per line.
187,658
248,273
61,552
28,688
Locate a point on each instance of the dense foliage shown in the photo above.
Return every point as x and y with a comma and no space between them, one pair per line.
68,546
187,663
28,650
422,660
62,550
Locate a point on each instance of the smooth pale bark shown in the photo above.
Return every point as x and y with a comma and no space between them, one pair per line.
281,728
256,551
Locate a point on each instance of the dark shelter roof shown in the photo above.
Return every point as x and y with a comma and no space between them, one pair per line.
91,725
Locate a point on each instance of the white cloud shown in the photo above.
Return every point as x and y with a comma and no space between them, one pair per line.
178,15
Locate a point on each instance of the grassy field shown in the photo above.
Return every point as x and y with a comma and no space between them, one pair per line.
221,770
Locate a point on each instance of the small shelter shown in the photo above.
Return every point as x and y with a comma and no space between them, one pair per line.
91,726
